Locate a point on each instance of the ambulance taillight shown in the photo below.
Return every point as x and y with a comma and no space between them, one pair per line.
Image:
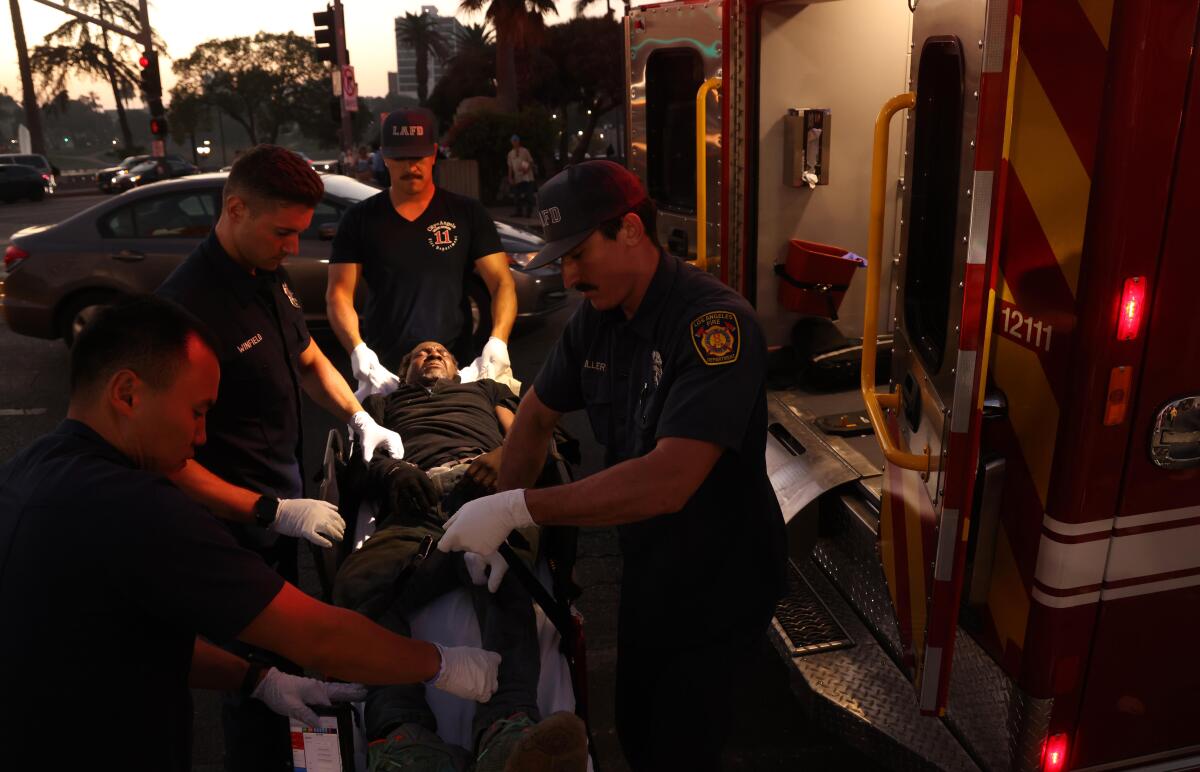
1133,301
1054,753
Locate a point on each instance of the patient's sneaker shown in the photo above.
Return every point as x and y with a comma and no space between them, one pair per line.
558,743
413,748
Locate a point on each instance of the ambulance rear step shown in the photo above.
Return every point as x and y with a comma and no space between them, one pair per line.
855,690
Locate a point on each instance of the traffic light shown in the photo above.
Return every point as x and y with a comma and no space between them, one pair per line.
326,34
151,84
158,126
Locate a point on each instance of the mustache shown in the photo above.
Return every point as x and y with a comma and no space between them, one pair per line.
412,176
585,287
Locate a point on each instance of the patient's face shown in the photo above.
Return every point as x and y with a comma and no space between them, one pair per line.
429,363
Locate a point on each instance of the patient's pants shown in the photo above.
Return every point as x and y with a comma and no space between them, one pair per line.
391,576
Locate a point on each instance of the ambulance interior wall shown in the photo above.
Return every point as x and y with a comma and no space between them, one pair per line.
849,57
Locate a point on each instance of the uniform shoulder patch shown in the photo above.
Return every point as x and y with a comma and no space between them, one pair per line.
717,337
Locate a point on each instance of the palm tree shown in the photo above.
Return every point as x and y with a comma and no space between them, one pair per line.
420,33
33,119
473,38
517,23
74,48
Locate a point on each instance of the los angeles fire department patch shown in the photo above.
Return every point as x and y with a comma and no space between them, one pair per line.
717,337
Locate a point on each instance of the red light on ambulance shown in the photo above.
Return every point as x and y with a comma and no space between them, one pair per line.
1054,753
1133,301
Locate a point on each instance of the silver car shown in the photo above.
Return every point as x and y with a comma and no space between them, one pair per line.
60,276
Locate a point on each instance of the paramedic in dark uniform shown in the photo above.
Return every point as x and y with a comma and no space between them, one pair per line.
109,574
249,471
415,245
670,365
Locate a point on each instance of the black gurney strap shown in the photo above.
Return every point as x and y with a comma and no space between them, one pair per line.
559,614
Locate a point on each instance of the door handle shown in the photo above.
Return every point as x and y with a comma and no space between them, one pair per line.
876,402
702,171
128,256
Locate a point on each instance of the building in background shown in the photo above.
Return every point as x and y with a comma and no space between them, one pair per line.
393,83
405,81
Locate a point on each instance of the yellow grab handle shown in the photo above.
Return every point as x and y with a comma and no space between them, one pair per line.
875,401
702,171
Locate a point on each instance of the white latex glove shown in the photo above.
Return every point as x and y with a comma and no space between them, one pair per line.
290,695
309,518
482,525
495,359
373,377
371,435
489,570
467,672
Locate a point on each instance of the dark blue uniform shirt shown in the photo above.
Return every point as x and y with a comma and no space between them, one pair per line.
254,429
107,575
691,363
415,270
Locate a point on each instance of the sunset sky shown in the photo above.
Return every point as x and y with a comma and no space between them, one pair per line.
370,32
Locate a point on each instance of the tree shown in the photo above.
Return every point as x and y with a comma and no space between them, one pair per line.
589,78
473,38
33,120
79,47
471,72
420,33
518,23
263,83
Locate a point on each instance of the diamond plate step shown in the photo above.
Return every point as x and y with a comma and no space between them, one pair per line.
858,693
808,625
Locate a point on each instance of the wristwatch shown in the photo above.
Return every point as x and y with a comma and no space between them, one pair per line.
264,510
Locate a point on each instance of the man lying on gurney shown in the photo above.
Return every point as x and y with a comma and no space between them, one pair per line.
452,435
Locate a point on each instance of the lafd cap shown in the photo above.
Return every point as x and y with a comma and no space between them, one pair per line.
579,199
409,133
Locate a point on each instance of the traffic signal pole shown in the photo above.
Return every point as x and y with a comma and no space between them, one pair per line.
343,59
330,36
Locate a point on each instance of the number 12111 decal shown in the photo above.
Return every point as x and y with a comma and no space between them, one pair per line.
1024,328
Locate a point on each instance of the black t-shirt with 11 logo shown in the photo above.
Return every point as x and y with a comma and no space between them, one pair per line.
414,269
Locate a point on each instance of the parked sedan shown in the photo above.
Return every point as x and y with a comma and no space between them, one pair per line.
60,276
154,170
47,170
19,181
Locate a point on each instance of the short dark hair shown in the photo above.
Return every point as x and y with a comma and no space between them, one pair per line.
647,212
276,174
143,333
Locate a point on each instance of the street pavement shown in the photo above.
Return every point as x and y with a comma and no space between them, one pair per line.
768,732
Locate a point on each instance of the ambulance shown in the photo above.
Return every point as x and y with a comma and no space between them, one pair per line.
970,230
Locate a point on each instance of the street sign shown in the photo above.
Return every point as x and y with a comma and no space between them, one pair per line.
349,89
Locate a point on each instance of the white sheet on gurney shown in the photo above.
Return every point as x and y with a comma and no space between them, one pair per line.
476,370
450,620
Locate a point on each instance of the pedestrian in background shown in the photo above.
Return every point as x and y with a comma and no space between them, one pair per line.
378,168
520,177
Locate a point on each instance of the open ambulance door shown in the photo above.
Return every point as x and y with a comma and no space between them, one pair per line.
928,421
674,58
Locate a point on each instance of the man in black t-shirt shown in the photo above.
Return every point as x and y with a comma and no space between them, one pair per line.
415,244
454,434
110,575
